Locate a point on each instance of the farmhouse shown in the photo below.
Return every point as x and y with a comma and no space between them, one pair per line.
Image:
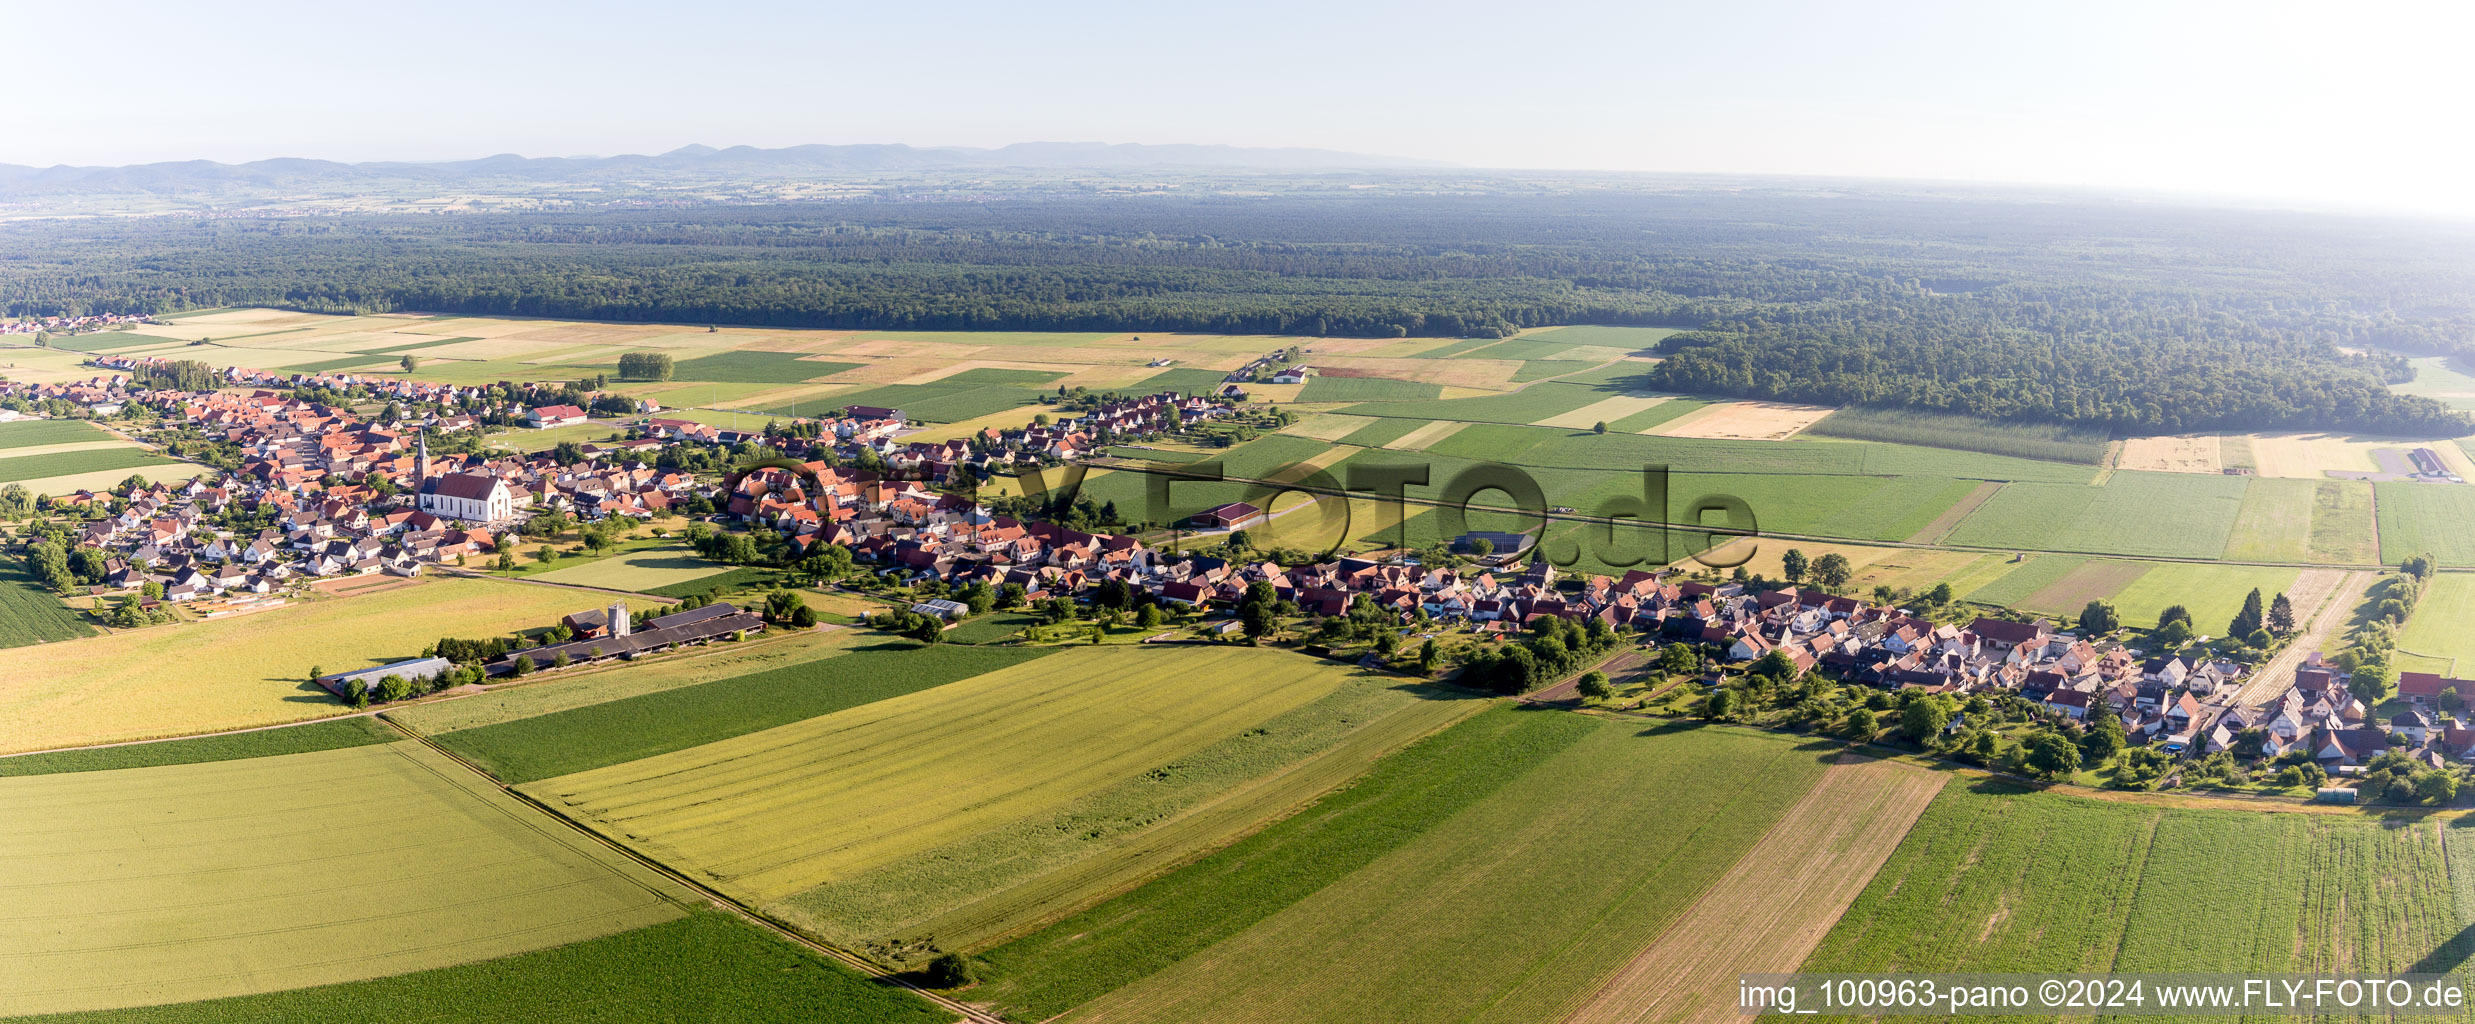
625,640
547,416
346,684
1236,515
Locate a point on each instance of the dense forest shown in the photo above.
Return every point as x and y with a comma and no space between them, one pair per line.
2123,316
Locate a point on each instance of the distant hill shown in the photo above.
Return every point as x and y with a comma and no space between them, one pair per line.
686,162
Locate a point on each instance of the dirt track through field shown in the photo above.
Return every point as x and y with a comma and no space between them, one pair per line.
1949,519
1773,907
2334,593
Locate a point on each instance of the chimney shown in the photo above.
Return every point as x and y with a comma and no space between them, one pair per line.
620,625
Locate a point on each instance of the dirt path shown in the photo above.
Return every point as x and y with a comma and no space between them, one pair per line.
1949,519
855,962
2332,593
1768,912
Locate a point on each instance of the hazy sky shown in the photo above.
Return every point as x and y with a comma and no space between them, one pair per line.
2330,102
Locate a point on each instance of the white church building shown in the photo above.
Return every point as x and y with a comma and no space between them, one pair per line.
473,497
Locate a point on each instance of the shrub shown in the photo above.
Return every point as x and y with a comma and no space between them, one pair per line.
948,970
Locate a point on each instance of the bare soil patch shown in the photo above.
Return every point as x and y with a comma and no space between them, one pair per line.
2187,454
1770,910
1745,421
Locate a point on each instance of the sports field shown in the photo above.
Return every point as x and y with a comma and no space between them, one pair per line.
771,813
641,571
199,881
1528,898
1996,878
247,670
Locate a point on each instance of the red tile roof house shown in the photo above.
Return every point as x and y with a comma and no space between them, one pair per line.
1232,516
555,416
2423,689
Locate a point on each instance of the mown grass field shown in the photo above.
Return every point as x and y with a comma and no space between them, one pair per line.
2443,625
614,732
662,566
35,433
201,881
247,670
768,814
297,739
2171,514
2426,519
1515,905
1367,389
706,966
2212,593
2092,580
727,579
30,614
1995,878
2285,520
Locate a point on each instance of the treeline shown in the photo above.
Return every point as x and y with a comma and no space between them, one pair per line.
2114,317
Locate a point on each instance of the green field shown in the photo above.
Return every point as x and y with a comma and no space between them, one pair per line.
1367,389
745,367
26,468
1382,432
2178,515
2433,519
2022,579
1655,415
1544,448
545,693
2443,626
990,628
30,433
2441,379
1528,405
643,571
615,732
2051,441
2304,521
298,739
1994,878
2212,593
29,614
225,878
1505,864
770,813
706,966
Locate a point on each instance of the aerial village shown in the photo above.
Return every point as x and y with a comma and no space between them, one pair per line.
353,497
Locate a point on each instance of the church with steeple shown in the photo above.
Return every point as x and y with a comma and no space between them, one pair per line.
473,497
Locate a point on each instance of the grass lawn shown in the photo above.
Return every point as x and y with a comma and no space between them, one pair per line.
706,966
734,578
225,878
989,628
34,433
768,814
615,732
527,439
1508,871
247,670
2021,579
297,739
655,566
1996,878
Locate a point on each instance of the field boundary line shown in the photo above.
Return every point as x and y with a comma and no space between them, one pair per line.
854,961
